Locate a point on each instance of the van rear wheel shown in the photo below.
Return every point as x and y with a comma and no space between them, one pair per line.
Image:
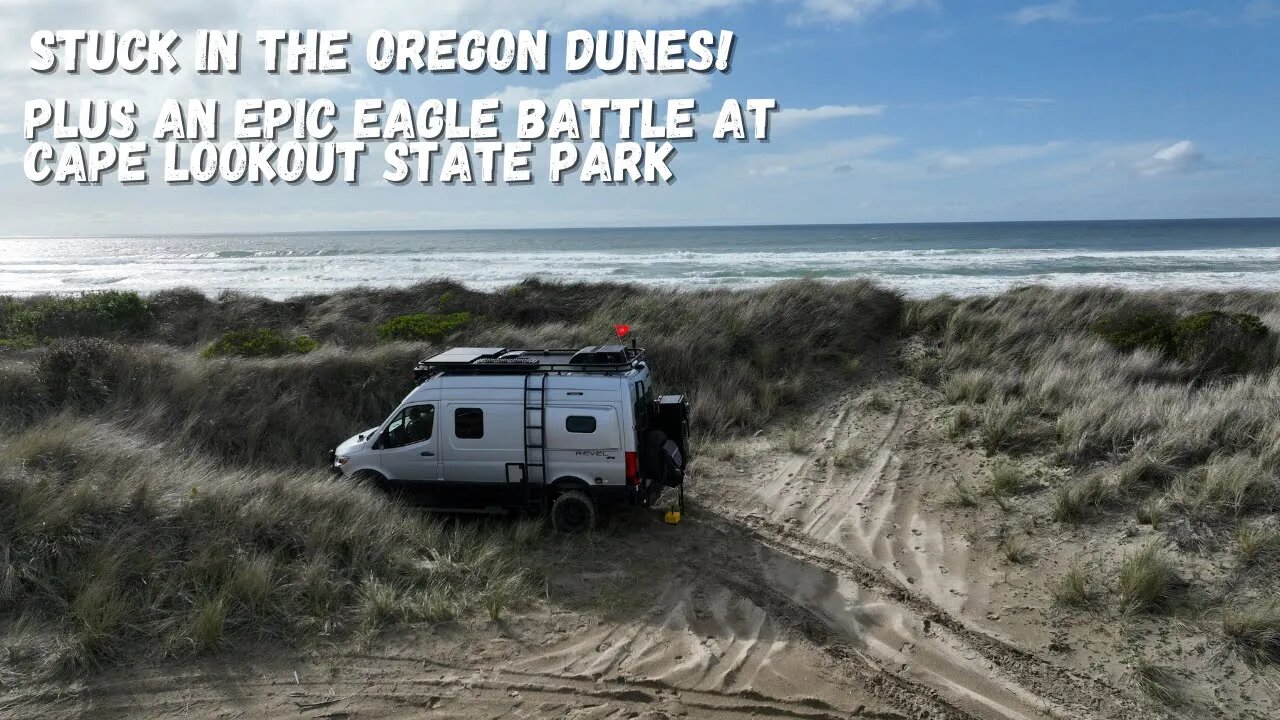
573,512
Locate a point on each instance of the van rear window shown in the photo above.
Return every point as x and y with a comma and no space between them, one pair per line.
468,423
580,424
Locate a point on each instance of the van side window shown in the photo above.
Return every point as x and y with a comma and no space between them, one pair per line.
468,423
580,424
411,425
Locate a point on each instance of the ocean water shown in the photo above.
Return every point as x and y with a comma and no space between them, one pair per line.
924,259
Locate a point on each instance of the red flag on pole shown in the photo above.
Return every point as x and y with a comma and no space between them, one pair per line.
622,330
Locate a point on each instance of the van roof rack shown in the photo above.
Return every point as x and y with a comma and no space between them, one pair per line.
601,359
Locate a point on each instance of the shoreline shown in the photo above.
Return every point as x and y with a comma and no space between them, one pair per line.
623,228
992,288
920,260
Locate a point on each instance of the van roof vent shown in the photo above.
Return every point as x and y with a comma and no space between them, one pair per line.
600,355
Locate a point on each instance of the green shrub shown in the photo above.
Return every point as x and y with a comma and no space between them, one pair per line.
91,314
25,342
76,369
23,392
1209,341
422,326
1130,329
262,342
1217,342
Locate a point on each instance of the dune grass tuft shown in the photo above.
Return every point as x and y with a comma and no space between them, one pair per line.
1014,551
1227,486
1079,499
1253,628
1005,479
969,386
877,401
1151,512
1257,544
1074,588
960,496
1158,682
959,422
851,457
798,438
1146,579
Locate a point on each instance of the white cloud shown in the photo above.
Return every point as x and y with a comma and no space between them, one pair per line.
1179,157
853,10
1063,11
611,86
792,117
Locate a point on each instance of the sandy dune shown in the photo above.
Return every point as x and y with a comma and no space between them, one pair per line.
830,583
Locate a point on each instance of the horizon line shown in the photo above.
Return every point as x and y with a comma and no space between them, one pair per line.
549,228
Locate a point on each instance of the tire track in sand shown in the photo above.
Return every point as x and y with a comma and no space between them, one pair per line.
889,579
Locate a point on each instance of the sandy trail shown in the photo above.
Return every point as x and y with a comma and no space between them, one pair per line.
868,510
861,548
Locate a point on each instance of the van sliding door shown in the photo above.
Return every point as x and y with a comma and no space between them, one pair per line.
478,441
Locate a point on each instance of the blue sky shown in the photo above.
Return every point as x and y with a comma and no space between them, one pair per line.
892,111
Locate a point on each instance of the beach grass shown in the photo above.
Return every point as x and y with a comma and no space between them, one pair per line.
156,498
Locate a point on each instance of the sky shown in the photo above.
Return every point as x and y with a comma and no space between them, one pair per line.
890,111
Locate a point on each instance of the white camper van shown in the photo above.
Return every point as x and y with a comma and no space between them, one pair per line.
569,431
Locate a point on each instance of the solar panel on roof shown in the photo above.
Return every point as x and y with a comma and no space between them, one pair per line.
465,355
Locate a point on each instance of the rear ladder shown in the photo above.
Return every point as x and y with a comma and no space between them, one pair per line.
535,433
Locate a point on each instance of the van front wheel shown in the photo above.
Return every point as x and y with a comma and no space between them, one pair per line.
573,512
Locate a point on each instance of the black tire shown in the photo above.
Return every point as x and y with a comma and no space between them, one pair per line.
659,465
374,480
369,477
652,458
573,512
